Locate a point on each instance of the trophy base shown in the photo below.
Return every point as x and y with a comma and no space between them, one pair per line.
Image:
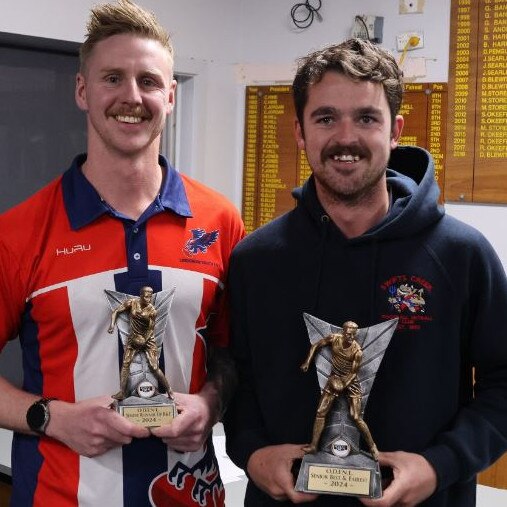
150,413
356,475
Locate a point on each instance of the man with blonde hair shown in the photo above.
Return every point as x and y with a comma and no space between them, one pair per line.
121,218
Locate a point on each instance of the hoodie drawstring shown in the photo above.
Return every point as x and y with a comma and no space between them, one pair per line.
325,221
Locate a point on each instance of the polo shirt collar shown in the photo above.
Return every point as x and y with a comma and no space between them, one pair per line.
84,205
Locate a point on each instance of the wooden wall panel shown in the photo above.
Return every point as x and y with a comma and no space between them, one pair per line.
477,116
490,179
462,97
496,475
425,109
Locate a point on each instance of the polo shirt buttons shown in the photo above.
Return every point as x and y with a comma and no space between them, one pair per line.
135,230
137,256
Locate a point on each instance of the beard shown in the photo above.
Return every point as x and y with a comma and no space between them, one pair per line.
351,189
352,195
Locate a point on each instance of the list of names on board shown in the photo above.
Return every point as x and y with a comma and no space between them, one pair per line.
424,108
272,160
477,117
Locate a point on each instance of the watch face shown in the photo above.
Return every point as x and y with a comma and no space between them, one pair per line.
36,416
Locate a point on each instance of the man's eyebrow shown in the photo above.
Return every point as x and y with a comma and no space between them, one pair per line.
152,72
111,70
323,111
118,70
332,111
369,110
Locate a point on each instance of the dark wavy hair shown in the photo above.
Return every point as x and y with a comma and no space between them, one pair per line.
357,59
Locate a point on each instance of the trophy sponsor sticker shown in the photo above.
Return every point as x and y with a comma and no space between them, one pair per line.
340,448
331,479
145,390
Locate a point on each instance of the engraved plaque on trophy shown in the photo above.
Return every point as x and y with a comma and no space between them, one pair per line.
347,360
145,396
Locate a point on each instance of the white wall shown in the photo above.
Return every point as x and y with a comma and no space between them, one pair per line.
226,44
205,35
269,36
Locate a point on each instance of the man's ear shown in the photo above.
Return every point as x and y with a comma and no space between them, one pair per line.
80,92
298,132
396,131
171,97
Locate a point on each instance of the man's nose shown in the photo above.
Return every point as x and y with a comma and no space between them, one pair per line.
131,93
344,132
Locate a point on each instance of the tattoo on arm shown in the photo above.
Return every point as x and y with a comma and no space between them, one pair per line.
222,372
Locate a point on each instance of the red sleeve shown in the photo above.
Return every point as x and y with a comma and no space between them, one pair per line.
12,298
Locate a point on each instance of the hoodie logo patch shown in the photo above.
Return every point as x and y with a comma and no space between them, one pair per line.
407,297
200,241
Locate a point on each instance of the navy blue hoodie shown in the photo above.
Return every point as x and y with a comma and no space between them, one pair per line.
439,276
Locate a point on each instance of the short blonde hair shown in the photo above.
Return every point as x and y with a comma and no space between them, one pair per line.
125,17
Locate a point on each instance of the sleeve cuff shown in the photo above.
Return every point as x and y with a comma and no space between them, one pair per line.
445,463
243,447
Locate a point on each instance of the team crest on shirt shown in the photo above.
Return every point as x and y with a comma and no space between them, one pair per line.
407,298
200,241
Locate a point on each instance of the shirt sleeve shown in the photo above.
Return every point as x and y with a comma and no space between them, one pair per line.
243,420
219,324
11,298
478,435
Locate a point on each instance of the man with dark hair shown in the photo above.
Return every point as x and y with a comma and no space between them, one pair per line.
119,219
368,242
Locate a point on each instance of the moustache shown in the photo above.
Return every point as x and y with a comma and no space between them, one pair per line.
137,111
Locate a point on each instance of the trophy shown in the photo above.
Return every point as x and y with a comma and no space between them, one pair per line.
141,324
347,360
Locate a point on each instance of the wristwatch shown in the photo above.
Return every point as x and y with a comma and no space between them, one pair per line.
37,415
